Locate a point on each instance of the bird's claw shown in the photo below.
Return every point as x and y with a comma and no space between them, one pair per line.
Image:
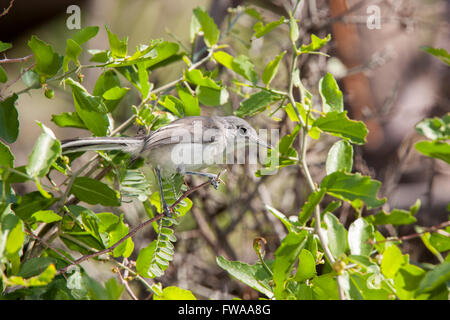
215,182
167,211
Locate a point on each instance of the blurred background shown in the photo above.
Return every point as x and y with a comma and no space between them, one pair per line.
388,82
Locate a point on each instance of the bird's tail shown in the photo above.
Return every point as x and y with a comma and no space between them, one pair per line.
133,145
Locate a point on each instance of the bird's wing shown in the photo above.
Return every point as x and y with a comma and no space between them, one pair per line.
195,129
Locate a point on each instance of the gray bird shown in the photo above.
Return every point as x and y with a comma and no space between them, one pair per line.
184,146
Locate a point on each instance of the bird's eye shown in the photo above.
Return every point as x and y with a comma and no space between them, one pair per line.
242,130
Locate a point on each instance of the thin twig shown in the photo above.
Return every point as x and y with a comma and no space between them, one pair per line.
124,281
415,235
14,60
6,11
131,233
17,79
48,245
110,249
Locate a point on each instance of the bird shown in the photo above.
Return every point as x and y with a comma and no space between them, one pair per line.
185,146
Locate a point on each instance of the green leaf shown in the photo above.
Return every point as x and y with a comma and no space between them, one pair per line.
119,231
46,216
5,46
94,192
285,257
440,241
48,62
9,123
392,261
194,29
271,69
332,97
287,223
90,109
339,125
190,103
325,287
174,293
340,157
102,56
83,225
113,289
115,93
353,188
109,80
31,79
73,48
396,216
210,30
438,53
285,143
336,235
135,184
434,278
84,99
12,231
308,207
68,119
306,266
196,77
41,280
144,261
118,47
255,276
407,281
361,234
173,104
435,128
144,83
256,102
164,51
434,149
34,266
426,237
30,203
361,286
241,65
316,44
45,151
3,75
85,34
6,160
212,97
261,29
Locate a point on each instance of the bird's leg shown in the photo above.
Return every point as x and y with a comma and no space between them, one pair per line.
213,178
165,207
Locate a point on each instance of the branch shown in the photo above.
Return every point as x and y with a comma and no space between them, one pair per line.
6,11
303,164
107,250
14,60
132,232
415,235
124,281
48,245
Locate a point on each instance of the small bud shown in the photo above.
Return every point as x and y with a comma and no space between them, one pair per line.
49,93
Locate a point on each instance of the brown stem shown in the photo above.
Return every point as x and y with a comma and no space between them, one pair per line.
416,235
132,232
6,60
6,11
107,250
48,245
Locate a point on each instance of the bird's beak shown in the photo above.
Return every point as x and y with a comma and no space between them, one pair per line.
261,142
